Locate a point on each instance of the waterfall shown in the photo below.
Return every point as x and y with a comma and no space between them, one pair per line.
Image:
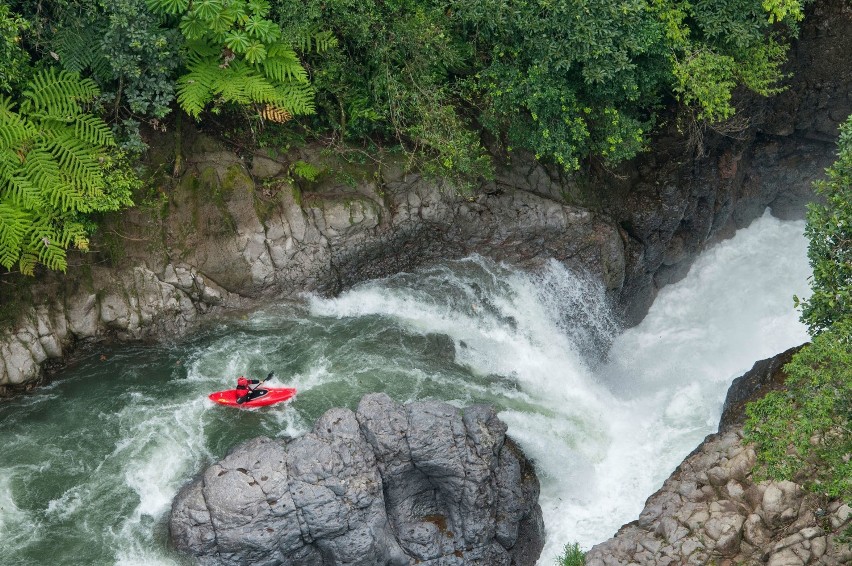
91,463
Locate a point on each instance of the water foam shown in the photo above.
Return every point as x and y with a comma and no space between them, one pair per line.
604,437
671,372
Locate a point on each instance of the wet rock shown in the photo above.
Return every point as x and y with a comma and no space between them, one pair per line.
711,509
388,484
765,376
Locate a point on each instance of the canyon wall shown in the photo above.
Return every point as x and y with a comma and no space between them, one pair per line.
233,231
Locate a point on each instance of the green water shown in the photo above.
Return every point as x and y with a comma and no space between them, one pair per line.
90,463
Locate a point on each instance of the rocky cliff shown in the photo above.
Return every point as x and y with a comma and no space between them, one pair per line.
424,483
233,231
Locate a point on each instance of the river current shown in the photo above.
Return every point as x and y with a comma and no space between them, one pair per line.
90,463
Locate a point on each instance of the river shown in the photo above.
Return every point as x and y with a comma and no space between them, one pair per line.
91,462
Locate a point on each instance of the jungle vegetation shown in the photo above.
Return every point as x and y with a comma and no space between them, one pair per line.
450,84
804,433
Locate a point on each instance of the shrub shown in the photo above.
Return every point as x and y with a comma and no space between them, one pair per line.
571,556
829,232
803,432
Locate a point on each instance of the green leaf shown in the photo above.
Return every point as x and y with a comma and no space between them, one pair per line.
255,52
262,29
193,27
237,41
258,7
167,6
206,10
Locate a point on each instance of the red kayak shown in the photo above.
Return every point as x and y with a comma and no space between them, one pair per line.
259,398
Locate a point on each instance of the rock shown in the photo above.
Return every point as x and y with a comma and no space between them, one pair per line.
765,376
710,530
82,313
712,511
388,484
264,168
781,502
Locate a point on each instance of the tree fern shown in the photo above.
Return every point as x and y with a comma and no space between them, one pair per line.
235,55
51,171
57,95
75,48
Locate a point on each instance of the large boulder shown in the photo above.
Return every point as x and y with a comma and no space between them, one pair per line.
389,484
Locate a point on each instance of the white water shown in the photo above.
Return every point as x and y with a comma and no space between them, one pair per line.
604,439
670,375
91,464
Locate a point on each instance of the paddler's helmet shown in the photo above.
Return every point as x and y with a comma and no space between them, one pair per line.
242,381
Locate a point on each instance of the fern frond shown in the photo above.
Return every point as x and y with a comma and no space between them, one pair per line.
53,257
93,130
10,162
275,114
230,85
14,224
22,192
298,98
79,49
14,130
316,41
27,263
80,168
57,94
45,245
56,188
284,66
257,87
195,88
41,169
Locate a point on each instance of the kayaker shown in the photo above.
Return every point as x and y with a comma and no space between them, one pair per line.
244,390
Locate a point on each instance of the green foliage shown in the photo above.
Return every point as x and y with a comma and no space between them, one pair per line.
120,44
304,170
717,46
566,80
829,232
562,79
571,556
54,171
781,10
804,432
235,54
14,61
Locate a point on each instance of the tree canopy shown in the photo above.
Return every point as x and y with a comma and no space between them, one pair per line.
448,83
